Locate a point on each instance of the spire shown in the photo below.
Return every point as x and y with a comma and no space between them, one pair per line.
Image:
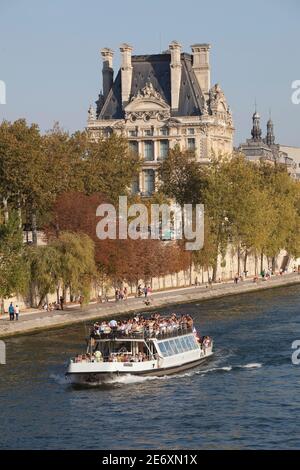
256,130
270,139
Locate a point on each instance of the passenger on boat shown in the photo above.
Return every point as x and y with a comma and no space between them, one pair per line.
154,326
98,356
206,342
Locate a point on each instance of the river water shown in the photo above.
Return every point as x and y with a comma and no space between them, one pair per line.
247,396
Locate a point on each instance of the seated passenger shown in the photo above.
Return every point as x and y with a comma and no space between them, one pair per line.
98,356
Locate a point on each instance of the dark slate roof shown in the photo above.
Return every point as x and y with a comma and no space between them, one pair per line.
156,70
112,108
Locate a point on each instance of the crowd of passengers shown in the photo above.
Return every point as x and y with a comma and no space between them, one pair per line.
113,357
151,327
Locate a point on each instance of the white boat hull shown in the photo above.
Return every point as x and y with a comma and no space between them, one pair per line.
104,372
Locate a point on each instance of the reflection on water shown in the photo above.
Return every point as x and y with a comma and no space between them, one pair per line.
245,397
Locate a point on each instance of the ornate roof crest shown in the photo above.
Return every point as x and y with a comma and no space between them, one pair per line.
148,92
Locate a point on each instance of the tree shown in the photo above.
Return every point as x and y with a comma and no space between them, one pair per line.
109,167
284,193
120,260
67,261
182,178
44,270
22,166
13,269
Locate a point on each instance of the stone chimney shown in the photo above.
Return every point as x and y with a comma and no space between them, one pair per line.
126,73
107,70
175,49
201,66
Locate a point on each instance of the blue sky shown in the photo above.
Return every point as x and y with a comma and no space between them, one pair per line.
51,64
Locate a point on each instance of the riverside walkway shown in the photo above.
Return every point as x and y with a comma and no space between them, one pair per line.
36,320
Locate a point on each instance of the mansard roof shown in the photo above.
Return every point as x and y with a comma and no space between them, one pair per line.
155,69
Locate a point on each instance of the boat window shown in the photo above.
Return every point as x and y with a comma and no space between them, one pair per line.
174,346
185,343
170,349
179,345
193,342
162,348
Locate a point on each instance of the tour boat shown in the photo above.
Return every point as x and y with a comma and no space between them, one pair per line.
112,353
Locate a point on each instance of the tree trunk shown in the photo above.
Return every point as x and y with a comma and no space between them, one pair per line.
214,273
245,262
33,227
20,213
5,210
215,266
239,259
43,297
256,264
261,262
2,306
273,264
191,266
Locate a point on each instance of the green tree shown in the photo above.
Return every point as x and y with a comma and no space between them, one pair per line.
182,178
44,271
22,169
13,269
109,167
77,261
66,262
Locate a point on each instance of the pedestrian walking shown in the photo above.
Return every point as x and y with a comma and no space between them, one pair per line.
61,301
17,312
11,311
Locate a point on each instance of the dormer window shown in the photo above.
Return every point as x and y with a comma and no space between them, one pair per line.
164,131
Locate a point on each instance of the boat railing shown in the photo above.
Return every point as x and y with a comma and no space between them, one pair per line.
111,358
162,333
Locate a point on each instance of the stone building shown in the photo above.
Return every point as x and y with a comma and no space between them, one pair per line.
159,101
294,154
265,149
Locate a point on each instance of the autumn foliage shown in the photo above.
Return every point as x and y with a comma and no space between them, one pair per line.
128,260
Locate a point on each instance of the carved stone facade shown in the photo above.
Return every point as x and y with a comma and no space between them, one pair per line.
165,106
265,149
